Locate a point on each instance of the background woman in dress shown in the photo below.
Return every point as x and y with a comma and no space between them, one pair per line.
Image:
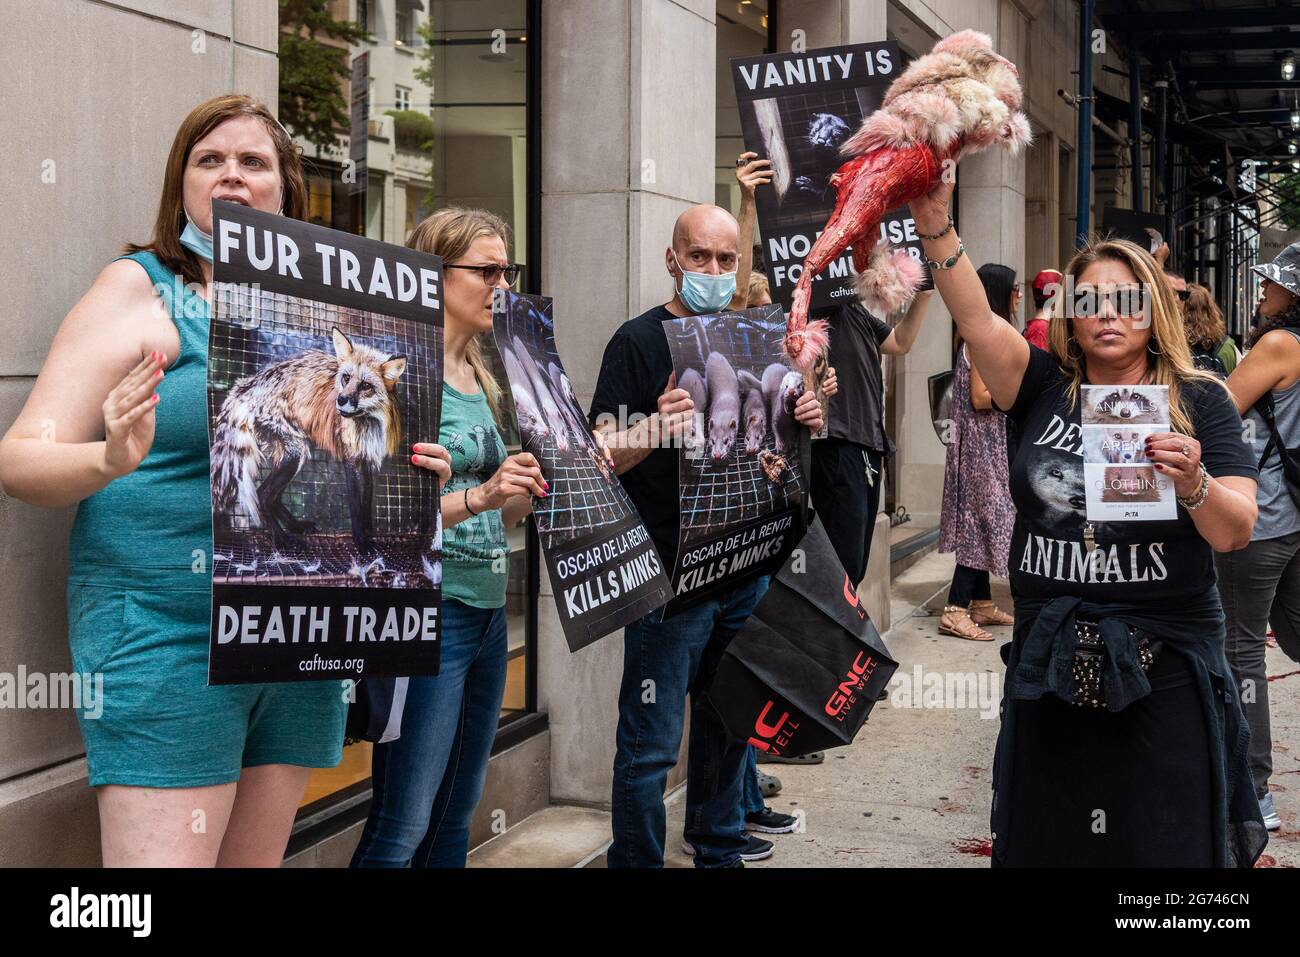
977,514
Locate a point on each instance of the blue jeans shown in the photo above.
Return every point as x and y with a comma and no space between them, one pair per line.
663,661
428,782
753,794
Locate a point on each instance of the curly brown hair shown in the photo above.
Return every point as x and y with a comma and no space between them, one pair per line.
1202,318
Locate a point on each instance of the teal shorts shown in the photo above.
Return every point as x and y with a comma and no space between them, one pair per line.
159,724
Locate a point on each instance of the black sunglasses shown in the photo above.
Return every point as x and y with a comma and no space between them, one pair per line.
1124,301
491,273
1184,294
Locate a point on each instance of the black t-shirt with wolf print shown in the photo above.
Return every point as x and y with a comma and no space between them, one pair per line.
1140,562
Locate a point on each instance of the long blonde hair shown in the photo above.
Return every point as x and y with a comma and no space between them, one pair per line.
1171,365
449,233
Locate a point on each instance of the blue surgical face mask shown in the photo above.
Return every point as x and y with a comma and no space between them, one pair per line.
197,242
703,293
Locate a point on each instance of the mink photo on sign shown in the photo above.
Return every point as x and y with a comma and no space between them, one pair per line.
603,566
797,110
740,472
324,368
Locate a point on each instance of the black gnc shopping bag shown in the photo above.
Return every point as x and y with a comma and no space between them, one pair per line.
807,666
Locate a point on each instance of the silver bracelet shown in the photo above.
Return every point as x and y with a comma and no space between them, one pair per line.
950,261
1196,500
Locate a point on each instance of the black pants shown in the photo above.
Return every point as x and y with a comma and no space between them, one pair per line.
1259,586
844,501
969,584
1101,789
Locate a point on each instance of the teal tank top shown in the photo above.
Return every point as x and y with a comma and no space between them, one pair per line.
154,526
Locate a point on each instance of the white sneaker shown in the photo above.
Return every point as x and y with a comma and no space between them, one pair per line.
1266,807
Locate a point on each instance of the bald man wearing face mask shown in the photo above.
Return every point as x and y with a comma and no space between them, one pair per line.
664,658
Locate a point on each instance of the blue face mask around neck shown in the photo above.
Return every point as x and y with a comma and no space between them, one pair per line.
703,293
197,242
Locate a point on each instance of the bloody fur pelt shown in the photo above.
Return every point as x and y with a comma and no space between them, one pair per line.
959,98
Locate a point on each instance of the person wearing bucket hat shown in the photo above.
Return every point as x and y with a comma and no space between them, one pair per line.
1260,584
1284,271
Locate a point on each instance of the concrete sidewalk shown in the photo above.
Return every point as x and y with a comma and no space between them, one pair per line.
913,788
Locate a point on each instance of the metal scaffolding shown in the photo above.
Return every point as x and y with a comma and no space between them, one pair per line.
1213,84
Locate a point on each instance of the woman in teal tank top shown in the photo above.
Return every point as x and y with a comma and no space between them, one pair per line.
186,774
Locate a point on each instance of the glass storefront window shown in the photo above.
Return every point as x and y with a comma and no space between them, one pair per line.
480,89
418,205
478,58
480,97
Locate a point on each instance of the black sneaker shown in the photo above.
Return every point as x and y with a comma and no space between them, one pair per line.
756,849
768,821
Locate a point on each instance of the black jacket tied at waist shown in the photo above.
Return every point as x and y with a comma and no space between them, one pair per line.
1040,661
1046,660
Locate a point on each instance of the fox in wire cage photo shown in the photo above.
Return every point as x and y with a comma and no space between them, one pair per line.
585,494
310,408
742,451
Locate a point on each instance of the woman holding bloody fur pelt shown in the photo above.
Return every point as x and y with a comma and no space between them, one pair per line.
117,424
428,782
1122,738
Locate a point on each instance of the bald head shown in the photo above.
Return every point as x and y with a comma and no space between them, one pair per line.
704,223
706,239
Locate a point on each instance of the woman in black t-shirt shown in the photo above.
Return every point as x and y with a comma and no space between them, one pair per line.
1146,770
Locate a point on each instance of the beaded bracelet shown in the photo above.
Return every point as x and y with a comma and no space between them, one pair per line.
938,235
1197,499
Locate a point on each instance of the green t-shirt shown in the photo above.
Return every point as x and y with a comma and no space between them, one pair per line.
1228,355
474,553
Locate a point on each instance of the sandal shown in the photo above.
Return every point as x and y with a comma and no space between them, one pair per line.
986,613
769,785
957,622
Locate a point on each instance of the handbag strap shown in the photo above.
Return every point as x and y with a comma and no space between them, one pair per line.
1264,406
